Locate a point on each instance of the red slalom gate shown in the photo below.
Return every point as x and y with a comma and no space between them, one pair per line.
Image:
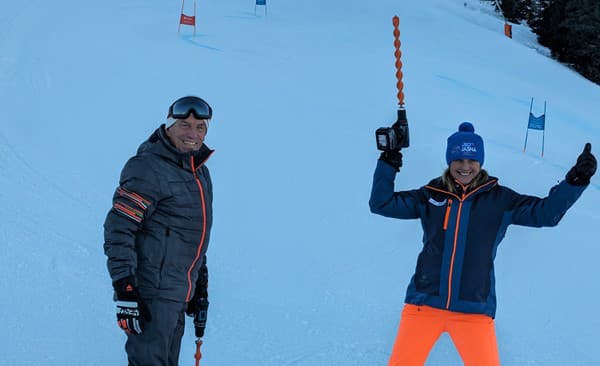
187,19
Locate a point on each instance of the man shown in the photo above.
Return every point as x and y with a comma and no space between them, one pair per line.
157,233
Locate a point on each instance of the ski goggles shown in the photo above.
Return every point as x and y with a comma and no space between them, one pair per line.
183,107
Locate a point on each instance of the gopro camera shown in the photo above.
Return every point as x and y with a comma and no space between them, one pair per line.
396,137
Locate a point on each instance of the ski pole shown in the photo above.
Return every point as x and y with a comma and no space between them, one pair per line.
198,354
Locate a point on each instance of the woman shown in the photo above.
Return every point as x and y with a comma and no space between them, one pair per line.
464,215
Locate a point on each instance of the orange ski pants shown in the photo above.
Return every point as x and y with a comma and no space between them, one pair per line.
473,335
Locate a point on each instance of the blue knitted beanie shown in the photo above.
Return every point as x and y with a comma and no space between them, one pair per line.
465,144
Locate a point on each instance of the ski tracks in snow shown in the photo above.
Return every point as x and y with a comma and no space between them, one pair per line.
11,161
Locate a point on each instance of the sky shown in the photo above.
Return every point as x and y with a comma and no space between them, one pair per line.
301,273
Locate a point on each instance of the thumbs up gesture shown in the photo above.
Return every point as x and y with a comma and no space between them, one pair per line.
582,172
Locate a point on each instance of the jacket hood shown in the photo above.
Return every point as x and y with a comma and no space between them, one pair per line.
159,144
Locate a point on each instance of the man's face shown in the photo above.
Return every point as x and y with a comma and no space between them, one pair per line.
464,170
188,134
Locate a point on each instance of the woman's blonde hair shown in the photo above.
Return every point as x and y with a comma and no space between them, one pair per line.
450,183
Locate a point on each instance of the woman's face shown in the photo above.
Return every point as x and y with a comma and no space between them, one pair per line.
464,170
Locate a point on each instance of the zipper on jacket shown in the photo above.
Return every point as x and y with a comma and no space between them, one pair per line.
460,204
201,244
447,216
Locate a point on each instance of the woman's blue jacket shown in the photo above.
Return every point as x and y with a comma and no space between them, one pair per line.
455,269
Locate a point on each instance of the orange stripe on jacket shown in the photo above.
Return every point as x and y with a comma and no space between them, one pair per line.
199,250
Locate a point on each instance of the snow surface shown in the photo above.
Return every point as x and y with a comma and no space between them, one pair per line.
301,273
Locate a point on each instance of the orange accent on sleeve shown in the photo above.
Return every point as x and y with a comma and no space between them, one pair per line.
134,197
128,211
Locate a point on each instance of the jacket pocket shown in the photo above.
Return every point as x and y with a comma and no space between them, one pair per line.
427,273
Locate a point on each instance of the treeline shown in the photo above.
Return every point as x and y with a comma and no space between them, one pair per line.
569,28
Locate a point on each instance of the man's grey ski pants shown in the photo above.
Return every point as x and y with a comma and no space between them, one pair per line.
160,341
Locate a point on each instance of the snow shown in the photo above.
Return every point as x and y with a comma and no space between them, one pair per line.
301,273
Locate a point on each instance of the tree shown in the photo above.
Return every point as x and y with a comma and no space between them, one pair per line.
571,30
583,37
538,7
516,10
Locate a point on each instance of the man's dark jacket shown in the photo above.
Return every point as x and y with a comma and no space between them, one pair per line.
159,226
455,269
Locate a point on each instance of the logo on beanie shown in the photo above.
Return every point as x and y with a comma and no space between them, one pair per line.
464,149
468,147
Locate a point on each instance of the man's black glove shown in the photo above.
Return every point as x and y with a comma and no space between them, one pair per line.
393,158
131,311
582,172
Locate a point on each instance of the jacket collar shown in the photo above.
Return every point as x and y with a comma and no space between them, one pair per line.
438,186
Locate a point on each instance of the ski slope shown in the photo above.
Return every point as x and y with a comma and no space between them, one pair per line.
301,273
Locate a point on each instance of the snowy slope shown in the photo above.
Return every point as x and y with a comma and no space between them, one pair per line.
301,272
